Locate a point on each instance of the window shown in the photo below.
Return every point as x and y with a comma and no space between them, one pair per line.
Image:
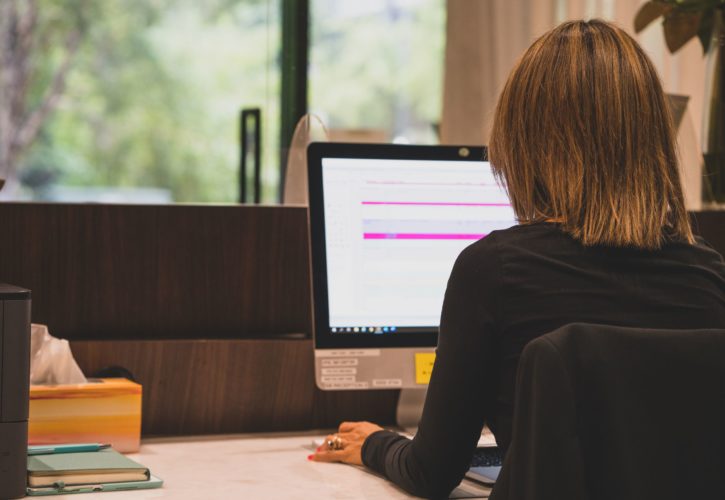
139,101
149,106
376,68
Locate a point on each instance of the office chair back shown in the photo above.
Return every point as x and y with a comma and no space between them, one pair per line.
606,412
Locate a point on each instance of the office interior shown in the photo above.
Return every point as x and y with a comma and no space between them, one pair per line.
155,198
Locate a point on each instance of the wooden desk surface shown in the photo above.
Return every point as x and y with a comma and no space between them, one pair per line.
253,466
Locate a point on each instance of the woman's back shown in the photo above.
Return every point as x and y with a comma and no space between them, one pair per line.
540,278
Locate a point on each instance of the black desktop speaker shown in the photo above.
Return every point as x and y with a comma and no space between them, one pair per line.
14,389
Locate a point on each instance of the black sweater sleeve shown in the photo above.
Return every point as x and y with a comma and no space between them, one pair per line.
435,461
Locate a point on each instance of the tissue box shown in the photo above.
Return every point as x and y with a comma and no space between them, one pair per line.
100,411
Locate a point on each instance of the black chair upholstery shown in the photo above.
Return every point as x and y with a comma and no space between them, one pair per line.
606,412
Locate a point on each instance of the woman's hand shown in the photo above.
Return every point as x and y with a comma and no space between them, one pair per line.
346,445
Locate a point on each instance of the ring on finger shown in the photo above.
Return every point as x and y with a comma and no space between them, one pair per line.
335,443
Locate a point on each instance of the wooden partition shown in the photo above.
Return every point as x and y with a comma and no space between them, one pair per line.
208,306
160,272
227,386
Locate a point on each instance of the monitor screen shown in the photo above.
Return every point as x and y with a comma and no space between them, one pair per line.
392,229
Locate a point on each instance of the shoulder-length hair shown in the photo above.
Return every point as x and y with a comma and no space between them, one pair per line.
582,136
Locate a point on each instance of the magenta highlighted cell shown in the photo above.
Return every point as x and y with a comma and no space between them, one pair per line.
422,236
409,183
436,203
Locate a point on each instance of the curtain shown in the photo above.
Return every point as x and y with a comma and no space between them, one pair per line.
485,37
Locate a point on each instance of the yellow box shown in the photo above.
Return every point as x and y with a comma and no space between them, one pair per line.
101,411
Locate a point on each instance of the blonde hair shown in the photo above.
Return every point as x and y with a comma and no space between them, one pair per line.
582,135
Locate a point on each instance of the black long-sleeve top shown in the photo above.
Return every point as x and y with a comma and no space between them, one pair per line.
511,287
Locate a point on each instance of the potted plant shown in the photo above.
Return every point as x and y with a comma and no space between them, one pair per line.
682,21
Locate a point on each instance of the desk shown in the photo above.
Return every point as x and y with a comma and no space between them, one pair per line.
251,466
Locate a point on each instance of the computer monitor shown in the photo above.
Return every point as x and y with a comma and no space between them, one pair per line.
387,223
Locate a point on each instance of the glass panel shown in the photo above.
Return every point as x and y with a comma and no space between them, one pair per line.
148,110
376,68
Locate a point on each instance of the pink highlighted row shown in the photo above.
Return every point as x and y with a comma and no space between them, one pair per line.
422,236
436,203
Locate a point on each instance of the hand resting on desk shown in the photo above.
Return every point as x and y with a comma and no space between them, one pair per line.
346,444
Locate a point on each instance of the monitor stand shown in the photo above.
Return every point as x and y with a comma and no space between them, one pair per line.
410,408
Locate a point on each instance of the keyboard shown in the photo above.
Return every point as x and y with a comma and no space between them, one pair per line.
487,457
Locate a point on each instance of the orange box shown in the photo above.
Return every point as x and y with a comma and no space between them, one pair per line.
101,411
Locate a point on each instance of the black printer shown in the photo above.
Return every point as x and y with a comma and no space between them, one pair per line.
14,389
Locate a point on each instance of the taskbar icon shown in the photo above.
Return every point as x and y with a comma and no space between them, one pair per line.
377,330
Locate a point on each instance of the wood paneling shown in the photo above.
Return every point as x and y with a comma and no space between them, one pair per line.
225,386
156,272
180,271
102,275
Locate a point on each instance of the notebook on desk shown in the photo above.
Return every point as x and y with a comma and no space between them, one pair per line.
105,466
86,472
63,489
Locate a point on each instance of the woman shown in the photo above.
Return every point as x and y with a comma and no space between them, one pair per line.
585,145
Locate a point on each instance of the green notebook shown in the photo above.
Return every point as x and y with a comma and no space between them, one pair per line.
105,466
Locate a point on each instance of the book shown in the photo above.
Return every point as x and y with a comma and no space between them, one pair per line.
63,489
105,466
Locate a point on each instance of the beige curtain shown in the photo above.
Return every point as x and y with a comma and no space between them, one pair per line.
485,37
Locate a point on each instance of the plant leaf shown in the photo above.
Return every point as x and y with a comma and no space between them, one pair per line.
704,32
679,28
648,13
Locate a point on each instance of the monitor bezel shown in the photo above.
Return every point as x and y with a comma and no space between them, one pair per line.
323,338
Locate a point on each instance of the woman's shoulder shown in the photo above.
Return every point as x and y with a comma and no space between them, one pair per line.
548,237
538,245
707,251
700,254
497,248
526,236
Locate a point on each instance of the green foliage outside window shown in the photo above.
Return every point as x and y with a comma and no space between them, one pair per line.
153,88
154,94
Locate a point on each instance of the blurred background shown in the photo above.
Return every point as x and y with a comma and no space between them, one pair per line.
139,101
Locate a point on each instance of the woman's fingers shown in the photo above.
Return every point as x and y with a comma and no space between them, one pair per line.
349,455
346,444
348,426
343,438
329,456
338,440
365,428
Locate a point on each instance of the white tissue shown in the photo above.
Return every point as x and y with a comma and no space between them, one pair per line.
51,361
